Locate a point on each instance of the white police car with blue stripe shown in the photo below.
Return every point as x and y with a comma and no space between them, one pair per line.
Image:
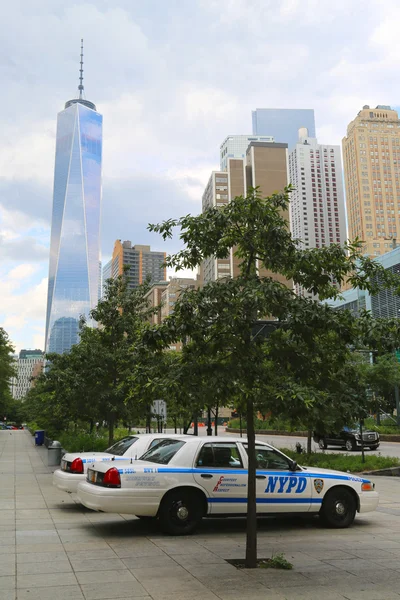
182,480
74,465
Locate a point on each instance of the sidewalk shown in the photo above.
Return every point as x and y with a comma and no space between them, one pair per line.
52,548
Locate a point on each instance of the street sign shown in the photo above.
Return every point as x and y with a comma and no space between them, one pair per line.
159,408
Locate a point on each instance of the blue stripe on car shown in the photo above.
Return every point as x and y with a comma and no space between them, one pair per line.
266,500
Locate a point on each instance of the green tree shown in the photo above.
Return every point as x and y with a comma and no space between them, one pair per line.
7,371
218,319
122,315
93,381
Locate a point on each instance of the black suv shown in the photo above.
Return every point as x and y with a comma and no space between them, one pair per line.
348,438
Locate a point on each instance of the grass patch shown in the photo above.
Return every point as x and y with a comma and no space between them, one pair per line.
343,462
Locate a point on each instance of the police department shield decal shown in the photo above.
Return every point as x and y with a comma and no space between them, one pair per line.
319,485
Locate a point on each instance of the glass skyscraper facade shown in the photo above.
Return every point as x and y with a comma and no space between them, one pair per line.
283,123
74,282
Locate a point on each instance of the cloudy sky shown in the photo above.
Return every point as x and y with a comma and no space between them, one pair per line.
172,79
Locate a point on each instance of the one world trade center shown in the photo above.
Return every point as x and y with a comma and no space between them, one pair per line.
73,288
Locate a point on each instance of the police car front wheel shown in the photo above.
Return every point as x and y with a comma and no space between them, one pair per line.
338,508
180,512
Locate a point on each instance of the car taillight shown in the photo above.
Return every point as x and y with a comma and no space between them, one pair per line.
112,478
77,466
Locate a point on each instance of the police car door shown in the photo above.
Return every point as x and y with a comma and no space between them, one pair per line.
219,470
279,489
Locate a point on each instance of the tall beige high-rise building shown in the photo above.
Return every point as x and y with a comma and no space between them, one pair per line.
264,166
371,156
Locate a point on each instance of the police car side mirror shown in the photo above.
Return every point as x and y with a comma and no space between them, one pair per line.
293,465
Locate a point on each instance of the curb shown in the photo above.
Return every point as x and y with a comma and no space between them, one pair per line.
389,472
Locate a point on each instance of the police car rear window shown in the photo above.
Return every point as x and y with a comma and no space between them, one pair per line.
163,452
120,447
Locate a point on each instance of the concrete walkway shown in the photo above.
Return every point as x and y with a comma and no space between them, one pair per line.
51,548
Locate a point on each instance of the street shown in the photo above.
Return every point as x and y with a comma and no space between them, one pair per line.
53,547
288,441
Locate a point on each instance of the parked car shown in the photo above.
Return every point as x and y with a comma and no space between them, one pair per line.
180,481
74,465
348,438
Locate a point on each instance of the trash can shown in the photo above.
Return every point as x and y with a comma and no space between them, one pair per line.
39,438
54,454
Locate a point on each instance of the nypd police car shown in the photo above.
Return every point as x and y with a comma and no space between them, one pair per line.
74,466
180,481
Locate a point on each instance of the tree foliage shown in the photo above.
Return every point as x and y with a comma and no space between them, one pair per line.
299,368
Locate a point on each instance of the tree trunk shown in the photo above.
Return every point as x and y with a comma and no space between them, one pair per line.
91,425
175,425
216,420
209,425
309,438
148,421
251,529
186,427
111,422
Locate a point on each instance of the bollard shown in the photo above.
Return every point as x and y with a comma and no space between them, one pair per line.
54,454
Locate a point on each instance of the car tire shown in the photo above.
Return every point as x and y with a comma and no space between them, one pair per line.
322,444
339,508
350,445
180,512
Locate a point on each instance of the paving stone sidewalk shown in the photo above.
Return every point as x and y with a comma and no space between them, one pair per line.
52,548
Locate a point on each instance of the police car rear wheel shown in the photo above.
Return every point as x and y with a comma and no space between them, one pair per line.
180,513
338,508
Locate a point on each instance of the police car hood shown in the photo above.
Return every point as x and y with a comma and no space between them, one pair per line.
322,472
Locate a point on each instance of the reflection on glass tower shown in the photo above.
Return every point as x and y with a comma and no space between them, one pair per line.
73,288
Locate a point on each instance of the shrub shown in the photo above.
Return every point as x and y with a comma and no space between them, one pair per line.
343,462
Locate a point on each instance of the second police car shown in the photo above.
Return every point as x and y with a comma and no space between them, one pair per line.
74,465
180,481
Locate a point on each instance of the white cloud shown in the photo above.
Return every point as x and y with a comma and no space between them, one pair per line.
172,80
18,274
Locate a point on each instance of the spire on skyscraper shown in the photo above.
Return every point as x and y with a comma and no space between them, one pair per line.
80,86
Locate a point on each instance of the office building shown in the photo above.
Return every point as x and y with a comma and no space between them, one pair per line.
28,365
235,146
154,299
216,194
384,304
265,166
171,293
142,263
317,203
371,158
73,287
283,124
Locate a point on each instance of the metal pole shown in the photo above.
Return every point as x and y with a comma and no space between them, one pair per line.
240,424
397,396
362,443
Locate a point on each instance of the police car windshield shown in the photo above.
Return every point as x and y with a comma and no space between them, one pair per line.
163,452
119,448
